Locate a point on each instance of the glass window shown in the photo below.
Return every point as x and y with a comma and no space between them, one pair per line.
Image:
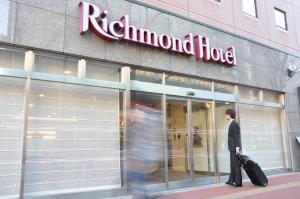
73,138
249,93
264,143
11,136
54,64
188,82
146,136
12,58
224,88
280,18
102,71
270,96
249,7
146,76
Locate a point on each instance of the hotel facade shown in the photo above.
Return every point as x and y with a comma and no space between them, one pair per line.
71,69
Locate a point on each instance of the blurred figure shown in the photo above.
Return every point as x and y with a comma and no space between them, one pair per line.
144,147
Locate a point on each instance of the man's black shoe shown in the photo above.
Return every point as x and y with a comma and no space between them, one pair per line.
237,185
229,183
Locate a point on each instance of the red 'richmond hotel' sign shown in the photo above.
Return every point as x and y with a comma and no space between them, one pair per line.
92,18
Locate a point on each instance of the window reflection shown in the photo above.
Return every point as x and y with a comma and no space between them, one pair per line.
224,88
146,76
53,64
249,93
11,58
188,82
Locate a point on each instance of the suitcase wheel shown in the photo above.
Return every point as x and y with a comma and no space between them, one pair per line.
266,184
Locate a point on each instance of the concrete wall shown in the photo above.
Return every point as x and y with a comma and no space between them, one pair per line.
54,25
228,15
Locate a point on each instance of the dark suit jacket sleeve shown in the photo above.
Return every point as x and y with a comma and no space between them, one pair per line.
237,135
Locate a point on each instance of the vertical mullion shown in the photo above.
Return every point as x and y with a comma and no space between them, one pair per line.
28,66
165,132
284,121
125,78
190,138
215,142
215,139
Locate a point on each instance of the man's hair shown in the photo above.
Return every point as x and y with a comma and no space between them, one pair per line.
230,112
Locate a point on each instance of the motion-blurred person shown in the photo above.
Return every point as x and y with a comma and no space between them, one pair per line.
144,146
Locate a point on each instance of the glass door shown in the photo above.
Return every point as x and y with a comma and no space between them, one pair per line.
178,140
190,139
202,142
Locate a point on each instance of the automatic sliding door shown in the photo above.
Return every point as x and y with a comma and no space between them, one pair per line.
178,153
203,155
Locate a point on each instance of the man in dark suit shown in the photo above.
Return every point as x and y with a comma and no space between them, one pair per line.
234,146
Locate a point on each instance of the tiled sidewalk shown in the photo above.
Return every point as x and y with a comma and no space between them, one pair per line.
280,187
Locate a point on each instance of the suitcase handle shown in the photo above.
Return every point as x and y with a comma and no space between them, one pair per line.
241,161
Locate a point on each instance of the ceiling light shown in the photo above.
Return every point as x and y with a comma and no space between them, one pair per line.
41,95
67,72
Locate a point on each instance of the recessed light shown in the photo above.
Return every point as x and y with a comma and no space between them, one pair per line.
41,95
67,72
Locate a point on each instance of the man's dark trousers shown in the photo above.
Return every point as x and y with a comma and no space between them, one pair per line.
235,169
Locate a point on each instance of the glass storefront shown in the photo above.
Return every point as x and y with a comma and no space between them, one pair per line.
73,138
77,120
264,142
11,136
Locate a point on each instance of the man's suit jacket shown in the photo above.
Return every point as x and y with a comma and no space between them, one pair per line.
234,136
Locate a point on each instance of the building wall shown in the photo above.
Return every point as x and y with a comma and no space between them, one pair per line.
228,15
54,25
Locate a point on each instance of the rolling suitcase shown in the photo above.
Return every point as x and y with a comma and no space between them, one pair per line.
253,171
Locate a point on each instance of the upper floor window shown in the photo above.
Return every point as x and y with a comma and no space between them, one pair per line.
249,7
280,19
217,1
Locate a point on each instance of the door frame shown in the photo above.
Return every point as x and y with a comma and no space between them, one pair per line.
190,151
182,93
